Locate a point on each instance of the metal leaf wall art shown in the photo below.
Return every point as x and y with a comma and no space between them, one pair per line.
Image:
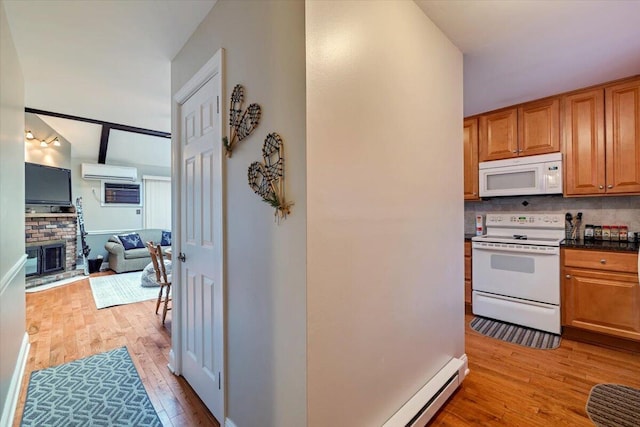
241,124
267,179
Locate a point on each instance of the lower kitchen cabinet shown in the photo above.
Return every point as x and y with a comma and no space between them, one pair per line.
467,274
600,293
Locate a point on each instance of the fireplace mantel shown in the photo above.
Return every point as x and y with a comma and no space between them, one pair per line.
51,215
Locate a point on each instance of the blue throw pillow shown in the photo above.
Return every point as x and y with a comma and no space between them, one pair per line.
166,238
131,241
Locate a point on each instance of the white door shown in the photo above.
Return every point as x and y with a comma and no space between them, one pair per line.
201,276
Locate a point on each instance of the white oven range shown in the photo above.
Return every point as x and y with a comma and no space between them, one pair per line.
516,269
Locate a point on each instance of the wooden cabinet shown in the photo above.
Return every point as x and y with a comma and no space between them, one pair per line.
597,162
622,114
539,127
499,135
584,142
467,273
526,130
600,292
470,147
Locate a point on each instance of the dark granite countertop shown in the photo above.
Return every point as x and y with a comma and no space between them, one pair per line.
599,245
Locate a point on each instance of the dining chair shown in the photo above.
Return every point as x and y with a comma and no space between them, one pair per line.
162,278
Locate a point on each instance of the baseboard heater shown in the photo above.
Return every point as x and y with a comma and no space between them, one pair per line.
425,403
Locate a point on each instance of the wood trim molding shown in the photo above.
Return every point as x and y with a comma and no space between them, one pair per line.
577,334
12,273
13,394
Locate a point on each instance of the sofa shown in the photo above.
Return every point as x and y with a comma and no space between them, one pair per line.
123,260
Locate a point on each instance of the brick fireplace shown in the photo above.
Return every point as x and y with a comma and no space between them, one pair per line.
52,237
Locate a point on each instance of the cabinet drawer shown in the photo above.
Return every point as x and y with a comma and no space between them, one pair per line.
602,260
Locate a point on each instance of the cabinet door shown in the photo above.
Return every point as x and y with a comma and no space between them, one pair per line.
622,103
539,127
602,302
470,145
498,135
584,149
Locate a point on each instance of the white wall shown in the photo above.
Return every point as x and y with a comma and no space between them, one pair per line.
384,178
12,297
59,157
107,218
266,348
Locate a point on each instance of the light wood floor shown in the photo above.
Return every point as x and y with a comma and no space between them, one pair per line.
509,385
64,325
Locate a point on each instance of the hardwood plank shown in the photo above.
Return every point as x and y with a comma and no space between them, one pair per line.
64,325
508,385
514,385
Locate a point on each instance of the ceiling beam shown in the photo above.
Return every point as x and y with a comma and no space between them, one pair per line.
104,143
108,125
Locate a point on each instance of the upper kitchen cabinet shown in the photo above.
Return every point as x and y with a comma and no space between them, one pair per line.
539,127
622,114
526,130
470,147
499,135
599,161
584,142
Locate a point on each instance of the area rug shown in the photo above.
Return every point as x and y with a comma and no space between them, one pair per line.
515,334
614,405
100,390
118,289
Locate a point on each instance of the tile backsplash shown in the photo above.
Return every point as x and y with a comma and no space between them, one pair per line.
618,210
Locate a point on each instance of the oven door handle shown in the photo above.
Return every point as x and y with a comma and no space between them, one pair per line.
515,249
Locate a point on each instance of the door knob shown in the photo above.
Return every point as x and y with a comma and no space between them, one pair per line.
610,186
601,187
182,257
568,276
603,261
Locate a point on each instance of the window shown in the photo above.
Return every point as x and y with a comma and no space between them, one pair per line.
157,202
121,194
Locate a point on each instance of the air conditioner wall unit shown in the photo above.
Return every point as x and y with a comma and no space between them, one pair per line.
109,172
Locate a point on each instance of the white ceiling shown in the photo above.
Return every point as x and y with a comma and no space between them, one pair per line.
111,60
104,60
519,50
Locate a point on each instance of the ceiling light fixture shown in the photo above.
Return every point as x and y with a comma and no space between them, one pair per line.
54,141
43,143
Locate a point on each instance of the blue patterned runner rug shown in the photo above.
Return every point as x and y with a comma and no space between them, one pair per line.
100,390
515,334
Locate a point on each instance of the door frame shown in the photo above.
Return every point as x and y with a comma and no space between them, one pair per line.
213,66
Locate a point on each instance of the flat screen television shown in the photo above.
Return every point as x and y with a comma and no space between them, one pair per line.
47,185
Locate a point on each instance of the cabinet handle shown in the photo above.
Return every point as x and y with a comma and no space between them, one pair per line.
515,151
610,186
475,194
602,187
568,276
603,261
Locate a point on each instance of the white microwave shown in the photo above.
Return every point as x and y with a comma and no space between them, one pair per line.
522,176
